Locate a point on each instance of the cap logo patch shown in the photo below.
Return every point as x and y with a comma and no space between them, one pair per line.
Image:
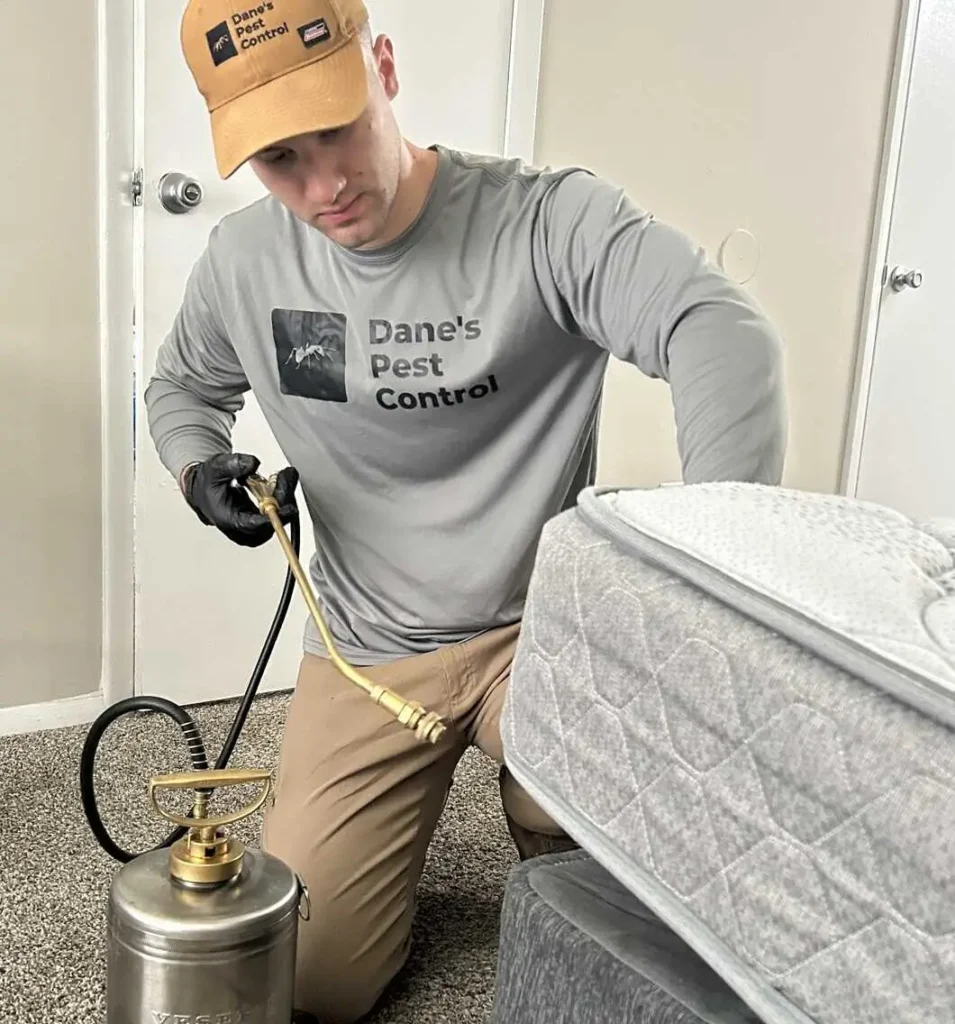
221,44
314,32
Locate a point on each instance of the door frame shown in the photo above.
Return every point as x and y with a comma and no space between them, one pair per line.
116,107
121,127
893,134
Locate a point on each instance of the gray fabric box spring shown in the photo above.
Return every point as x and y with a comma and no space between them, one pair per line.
741,701
578,948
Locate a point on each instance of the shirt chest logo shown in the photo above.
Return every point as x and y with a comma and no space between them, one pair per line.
310,351
410,366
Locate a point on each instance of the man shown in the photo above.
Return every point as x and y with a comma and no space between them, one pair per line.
426,332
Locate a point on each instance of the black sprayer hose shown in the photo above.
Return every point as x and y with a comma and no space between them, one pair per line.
190,731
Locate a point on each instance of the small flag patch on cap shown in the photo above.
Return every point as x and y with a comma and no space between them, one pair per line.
314,32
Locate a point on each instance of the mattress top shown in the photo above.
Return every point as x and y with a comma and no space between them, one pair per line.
861,584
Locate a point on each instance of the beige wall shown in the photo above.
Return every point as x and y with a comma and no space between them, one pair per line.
748,115
50,602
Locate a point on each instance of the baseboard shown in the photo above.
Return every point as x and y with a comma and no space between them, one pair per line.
54,714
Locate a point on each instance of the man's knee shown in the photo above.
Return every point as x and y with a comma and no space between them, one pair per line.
342,1000
341,974
358,931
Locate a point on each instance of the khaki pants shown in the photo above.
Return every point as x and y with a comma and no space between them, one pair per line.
358,797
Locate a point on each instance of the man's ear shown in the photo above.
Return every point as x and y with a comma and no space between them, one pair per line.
384,53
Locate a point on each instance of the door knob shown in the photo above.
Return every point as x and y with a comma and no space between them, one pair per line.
900,279
179,193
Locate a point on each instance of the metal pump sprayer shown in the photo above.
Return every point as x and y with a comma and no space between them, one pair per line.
202,930
206,932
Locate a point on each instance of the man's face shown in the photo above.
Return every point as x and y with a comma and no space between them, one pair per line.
343,182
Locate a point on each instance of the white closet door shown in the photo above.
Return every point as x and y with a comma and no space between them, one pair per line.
905,456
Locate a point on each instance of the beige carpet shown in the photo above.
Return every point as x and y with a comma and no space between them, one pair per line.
54,877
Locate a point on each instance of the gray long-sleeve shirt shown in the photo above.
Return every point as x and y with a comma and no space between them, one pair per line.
440,396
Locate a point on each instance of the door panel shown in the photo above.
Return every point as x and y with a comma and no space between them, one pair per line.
203,604
906,459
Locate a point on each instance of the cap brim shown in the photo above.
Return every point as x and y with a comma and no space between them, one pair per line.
325,94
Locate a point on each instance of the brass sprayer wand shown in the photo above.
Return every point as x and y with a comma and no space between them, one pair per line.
427,725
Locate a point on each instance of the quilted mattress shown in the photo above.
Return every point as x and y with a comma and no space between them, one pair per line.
740,700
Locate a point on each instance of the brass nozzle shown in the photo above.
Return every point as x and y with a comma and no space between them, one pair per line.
426,725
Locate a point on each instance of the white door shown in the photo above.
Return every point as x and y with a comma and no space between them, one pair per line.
204,605
906,458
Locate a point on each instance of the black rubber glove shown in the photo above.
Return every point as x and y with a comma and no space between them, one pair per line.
214,489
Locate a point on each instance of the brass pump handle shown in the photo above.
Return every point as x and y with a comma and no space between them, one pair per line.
426,725
213,778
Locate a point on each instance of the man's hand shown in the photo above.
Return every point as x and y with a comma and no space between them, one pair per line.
214,489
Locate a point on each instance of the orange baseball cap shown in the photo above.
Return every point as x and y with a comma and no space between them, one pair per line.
275,69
